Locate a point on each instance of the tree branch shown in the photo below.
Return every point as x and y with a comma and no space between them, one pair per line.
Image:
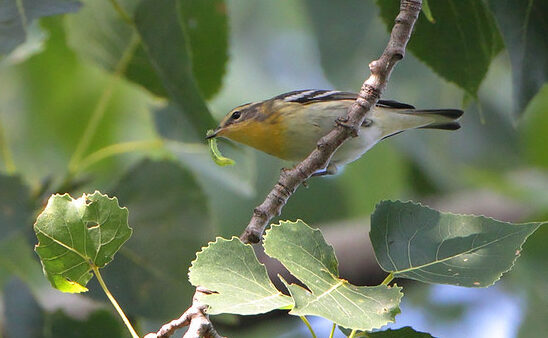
195,317
345,128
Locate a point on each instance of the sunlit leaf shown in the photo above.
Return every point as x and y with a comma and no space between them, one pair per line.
416,242
16,16
459,45
523,26
171,220
241,283
76,234
304,252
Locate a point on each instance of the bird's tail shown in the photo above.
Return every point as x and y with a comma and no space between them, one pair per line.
447,118
403,119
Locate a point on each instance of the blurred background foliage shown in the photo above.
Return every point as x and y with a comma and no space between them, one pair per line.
116,96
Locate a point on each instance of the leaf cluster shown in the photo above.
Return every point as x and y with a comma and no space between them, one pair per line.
116,95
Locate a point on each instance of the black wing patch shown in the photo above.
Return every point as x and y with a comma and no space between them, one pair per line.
394,104
314,95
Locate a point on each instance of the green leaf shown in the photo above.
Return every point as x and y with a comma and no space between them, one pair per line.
206,25
459,46
241,283
171,58
416,242
18,15
171,220
404,332
304,252
108,38
523,26
76,234
108,34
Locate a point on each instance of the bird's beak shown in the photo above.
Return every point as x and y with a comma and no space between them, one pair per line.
213,133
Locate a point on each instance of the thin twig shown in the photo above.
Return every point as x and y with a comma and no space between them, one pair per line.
195,318
345,127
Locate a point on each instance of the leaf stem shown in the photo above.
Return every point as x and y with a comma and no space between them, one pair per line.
7,157
117,149
353,333
303,318
388,279
100,108
332,330
113,301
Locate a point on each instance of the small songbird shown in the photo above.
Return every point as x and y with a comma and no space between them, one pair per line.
289,125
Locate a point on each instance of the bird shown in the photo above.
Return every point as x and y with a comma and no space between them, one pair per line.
288,126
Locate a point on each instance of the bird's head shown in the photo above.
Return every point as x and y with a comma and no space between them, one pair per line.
255,124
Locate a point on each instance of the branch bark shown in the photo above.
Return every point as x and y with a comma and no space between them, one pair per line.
345,128
195,317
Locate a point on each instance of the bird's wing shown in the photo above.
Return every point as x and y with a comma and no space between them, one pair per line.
313,95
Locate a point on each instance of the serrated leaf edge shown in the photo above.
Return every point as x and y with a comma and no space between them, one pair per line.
85,197
342,282
518,251
219,239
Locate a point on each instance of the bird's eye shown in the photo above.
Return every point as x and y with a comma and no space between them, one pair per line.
236,115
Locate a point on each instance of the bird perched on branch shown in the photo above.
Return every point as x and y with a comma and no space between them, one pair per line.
289,125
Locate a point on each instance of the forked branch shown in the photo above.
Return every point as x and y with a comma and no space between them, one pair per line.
345,128
371,90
